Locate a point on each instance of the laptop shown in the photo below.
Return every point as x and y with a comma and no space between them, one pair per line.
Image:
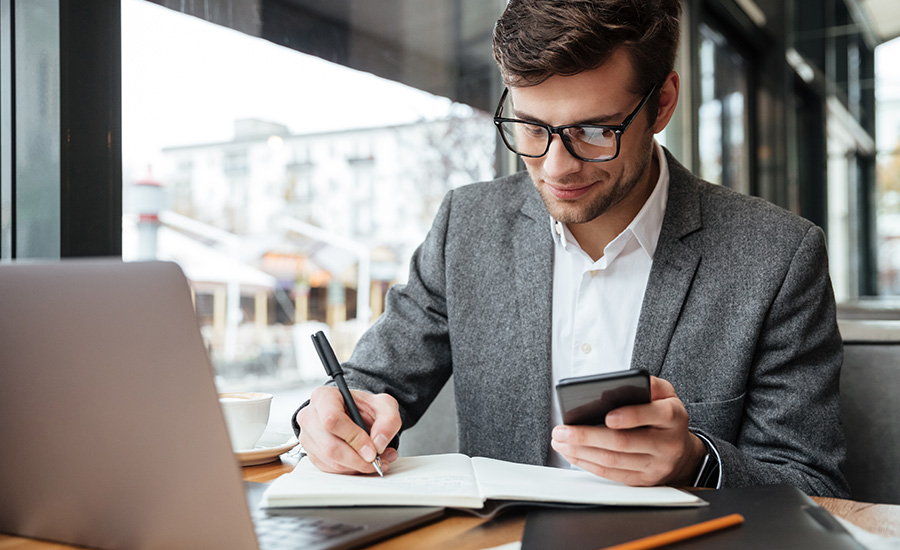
110,424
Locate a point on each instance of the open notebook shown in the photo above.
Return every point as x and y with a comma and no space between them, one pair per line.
455,480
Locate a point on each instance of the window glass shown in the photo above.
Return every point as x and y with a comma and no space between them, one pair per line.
723,120
291,190
887,78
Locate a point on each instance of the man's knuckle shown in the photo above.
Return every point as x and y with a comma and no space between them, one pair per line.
386,399
670,413
623,440
319,393
575,436
610,459
331,420
302,417
644,481
395,424
603,471
356,439
329,448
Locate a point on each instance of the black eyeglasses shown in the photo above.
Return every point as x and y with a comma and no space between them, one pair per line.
586,142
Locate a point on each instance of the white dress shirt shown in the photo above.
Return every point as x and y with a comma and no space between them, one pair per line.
596,305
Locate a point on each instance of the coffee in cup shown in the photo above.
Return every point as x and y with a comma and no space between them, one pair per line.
246,415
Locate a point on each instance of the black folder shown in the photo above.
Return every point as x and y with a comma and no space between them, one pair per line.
778,516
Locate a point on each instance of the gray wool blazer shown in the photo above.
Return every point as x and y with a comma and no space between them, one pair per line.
738,315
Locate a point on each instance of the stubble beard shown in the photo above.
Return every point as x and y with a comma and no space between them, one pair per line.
599,203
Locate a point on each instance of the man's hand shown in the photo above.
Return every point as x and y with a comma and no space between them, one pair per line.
334,443
644,445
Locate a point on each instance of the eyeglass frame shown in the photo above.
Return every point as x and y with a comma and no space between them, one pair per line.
618,130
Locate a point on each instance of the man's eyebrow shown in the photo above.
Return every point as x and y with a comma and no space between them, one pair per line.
614,119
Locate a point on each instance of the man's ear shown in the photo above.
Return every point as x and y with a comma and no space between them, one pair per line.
668,99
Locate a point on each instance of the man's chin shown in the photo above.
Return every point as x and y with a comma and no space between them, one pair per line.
569,211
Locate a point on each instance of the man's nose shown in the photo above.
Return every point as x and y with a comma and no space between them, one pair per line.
558,162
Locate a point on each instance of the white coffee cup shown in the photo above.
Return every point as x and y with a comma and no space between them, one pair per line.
246,415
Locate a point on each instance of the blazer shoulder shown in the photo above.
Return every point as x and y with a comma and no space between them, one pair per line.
723,206
499,199
735,228
740,231
721,213
510,190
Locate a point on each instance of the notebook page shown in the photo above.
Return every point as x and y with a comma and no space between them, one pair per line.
503,480
436,480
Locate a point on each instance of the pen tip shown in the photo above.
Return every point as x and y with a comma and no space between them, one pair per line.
377,465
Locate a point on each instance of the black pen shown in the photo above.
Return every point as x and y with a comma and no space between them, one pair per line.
333,368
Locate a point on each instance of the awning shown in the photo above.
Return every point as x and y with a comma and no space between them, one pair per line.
880,17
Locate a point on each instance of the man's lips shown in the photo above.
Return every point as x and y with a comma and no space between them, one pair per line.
568,192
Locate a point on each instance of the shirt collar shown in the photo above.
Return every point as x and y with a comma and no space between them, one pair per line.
646,225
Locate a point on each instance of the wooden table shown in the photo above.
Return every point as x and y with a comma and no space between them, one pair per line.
460,531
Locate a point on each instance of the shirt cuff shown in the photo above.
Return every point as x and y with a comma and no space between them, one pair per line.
710,474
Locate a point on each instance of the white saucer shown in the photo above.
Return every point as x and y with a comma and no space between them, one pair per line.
269,447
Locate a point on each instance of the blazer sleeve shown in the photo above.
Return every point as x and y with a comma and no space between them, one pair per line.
406,353
791,431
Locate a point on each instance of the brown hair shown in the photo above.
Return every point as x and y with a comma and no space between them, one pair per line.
537,39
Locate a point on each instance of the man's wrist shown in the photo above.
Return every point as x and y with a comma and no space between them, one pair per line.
709,472
696,462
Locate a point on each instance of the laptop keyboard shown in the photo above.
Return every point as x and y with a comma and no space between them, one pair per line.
290,532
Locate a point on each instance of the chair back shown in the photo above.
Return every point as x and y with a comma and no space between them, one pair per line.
436,432
870,409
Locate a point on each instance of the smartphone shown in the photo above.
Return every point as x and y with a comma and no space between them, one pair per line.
585,400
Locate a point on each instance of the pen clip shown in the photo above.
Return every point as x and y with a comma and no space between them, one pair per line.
326,355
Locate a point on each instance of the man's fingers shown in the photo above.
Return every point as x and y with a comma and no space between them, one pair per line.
630,468
327,450
661,389
629,477
389,455
329,436
335,443
634,457
663,414
382,411
636,441
664,411
643,444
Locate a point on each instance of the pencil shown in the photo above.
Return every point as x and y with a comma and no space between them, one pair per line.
691,531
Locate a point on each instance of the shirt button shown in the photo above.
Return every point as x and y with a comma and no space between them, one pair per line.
595,272
585,348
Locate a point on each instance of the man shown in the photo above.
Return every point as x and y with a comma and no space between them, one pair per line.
606,255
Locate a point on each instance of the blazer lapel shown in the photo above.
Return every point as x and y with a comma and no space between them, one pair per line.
674,267
533,273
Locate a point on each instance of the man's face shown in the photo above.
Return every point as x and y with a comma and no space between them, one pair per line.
572,190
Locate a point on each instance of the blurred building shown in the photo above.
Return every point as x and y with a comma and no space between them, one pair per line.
275,229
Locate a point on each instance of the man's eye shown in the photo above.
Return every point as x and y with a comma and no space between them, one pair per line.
533,131
592,134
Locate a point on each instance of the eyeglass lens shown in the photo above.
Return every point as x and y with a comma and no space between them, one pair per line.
588,142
